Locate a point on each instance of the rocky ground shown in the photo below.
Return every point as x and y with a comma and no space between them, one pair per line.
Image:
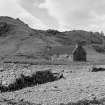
77,85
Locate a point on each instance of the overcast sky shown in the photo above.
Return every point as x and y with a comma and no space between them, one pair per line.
57,14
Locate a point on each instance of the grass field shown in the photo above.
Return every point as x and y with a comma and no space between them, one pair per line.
78,84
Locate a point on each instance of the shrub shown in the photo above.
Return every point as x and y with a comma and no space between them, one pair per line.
3,88
94,69
39,77
85,102
100,49
20,102
53,32
44,76
3,28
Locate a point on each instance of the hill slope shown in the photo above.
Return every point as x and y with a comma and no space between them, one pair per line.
18,42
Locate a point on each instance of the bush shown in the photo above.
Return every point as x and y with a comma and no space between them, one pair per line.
94,69
53,32
40,77
44,76
3,28
99,49
86,102
20,102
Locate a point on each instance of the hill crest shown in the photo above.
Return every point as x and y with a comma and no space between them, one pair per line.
22,43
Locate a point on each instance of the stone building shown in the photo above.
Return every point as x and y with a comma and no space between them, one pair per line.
79,53
70,53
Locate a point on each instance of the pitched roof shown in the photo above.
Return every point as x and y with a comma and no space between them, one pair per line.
79,49
62,50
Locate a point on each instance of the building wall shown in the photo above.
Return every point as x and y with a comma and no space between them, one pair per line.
79,54
62,57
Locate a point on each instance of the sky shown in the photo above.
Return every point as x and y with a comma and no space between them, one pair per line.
57,14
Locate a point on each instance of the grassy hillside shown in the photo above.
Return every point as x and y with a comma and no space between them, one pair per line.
18,42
